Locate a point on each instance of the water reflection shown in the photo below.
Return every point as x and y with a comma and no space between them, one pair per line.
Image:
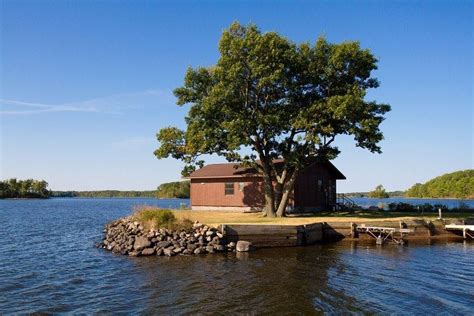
267,281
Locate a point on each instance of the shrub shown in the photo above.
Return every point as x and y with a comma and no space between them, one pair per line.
184,224
155,218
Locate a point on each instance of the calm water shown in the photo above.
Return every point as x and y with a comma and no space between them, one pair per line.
48,263
450,203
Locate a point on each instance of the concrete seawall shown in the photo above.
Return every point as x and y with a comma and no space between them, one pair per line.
274,235
301,235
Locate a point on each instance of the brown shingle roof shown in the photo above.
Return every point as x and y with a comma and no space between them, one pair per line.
233,170
223,170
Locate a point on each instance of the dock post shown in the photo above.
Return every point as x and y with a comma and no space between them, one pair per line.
464,235
379,240
354,231
440,215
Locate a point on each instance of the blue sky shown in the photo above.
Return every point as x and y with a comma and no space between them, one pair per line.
85,85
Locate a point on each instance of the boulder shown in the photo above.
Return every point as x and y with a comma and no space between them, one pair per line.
219,248
178,250
148,251
168,252
141,243
164,244
191,247
243,246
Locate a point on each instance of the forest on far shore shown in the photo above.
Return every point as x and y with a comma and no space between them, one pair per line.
104,194
459,184
29,188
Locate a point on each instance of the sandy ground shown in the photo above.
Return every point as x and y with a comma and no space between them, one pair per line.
216,218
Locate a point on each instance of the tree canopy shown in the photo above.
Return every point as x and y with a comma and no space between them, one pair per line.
378,193
178,189
459,184
269,98
29,188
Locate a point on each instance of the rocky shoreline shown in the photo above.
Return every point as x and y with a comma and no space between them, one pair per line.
128,237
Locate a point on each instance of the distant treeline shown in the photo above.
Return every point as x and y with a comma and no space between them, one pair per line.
104,193
366,194
179,189
459,184
29,188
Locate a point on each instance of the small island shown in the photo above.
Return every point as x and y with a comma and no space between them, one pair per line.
24,189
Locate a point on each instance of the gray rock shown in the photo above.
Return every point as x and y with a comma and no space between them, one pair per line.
148,251
219,248
164,244
133,254
168,252
209,233
159,252
178,250
220,235
141,243
243,246
191,247
210,249
198,251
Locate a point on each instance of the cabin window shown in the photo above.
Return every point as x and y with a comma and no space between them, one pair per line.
320,185
229,188
241,186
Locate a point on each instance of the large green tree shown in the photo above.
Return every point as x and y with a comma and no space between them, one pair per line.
379,193
269,98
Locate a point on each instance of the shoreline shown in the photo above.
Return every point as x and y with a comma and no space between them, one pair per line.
128,237
409,198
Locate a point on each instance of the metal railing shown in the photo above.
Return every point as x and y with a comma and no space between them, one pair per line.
343,202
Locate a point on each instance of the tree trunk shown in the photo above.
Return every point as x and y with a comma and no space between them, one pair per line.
278,194
269,209
287,189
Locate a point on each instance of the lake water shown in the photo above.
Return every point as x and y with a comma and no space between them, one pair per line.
450,203
48,263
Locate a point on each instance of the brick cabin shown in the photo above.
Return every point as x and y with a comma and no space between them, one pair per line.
229,187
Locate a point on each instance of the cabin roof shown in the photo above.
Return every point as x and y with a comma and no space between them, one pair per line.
235,170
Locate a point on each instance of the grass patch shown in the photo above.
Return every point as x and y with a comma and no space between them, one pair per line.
155,218
215,218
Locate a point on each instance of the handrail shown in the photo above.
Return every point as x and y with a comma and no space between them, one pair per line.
344,201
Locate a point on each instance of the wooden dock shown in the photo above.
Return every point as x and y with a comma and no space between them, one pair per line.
383,234
396,231
467,230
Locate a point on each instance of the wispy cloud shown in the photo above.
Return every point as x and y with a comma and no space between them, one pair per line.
35,108
113,104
